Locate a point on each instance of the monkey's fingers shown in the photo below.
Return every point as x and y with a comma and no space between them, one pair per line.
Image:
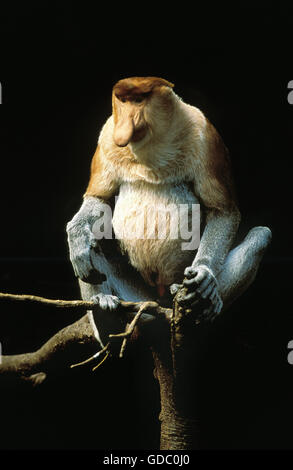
190,283
208,290
81,261
204,289
212,311
215,312
204,285
113,302
190,272
174,288
216,300
204,277
213,295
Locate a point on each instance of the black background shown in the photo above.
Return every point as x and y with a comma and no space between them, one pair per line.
58,63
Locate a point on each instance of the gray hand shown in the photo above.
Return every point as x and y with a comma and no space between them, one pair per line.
81,243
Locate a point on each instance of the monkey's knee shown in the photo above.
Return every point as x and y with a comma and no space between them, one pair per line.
258,239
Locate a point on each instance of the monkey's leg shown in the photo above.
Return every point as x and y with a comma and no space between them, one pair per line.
242,263
121,281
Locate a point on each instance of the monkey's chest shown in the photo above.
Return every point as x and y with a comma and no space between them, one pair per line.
159,228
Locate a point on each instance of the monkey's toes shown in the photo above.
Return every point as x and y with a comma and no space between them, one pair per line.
106,301
174,288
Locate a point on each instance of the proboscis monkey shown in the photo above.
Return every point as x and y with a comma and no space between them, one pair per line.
155,149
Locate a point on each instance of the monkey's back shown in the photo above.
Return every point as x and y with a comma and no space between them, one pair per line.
151,222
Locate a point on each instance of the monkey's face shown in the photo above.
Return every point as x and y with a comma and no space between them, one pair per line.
130,123
134,108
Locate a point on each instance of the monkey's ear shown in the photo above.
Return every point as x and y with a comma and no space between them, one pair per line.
129,87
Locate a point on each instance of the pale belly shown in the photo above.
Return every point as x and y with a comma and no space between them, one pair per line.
158,227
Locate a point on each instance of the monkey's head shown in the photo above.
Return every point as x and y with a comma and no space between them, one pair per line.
141,108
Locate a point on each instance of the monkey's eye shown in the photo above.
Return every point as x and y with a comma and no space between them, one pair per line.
141,97
138,98
134,98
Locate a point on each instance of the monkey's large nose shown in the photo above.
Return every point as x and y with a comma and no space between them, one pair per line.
123,132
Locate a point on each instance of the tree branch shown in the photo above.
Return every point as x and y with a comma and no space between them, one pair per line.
75,342
175,359
171,335
125,307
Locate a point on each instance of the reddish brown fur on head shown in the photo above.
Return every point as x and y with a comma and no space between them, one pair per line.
131,88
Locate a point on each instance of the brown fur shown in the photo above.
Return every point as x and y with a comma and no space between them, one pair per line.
217,190
99,184
130,88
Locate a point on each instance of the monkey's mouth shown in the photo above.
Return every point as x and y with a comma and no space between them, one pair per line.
126,132
138,134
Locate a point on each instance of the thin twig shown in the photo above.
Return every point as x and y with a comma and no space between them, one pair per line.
125,306
100,363
124,335
131,327
59,303
92,358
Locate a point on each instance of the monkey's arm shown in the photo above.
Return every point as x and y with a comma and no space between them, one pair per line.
201,276
216,240
81,239
215,189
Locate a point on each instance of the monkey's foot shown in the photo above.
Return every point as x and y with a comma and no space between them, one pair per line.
201,283
206,304
106,301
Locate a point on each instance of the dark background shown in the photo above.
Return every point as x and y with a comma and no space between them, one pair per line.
58,63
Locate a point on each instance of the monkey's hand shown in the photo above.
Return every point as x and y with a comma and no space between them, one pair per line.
81,243
106,301
201,284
